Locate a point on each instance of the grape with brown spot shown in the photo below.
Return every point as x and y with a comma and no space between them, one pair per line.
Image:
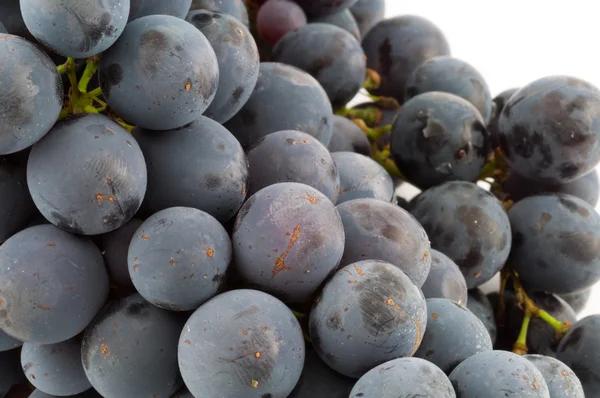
561,380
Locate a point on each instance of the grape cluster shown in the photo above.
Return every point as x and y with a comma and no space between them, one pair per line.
189,207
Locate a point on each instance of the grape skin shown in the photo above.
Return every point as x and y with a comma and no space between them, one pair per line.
368,13
8,343
343,19
348,137
561,380
114,246
362,177
577,300
320,381
324,7
445,280
479,304
276,18
235,8
498,106
143,8
2,28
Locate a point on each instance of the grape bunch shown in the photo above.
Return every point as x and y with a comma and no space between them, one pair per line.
193,203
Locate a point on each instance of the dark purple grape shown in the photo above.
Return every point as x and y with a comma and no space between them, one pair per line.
324,7
2,28
452,75
497,107
256,347
276,18
343,19
235,8
362,177
439,137
370,312
177,258
99,186
285,98
143,8
577,300
91,393
210,166
114,246
55,368
8,343
348,137
445,280
396,46
16,206
548,129
556,241
292,156
337,63
378,230
469,225
320,381
11,371
130,350
287,239
561,380
52,284
368,13
479,304
11,17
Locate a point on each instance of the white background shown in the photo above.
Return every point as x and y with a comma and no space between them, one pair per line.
513,43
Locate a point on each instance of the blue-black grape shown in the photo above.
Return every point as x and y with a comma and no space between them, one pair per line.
577,300
494,374
404,377
235,8
497,107
362,177
370,312
238,60
453,334
77,29
184,393
343,19
11,371
178,257
292,156
143,8
256,347
130,350
11,17
579,349
16,206
548,129
161,74
396,46
52,284
114,246
2,28
556,240
378,230
439,137
338,62
99,186
285,98
368,13
561,380
210,166
55,368
91,393
479,304
276,18
8,343
469,225
287,238
320,381
31,92
451,75
348,137
445,280
324,7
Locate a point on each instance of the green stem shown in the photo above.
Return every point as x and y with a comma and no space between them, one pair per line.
298,315
90,109
71,74
91,66
371,115
97,92
63,113
372,80
62,69
520,346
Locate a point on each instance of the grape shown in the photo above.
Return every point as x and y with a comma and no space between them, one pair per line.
454,76
368,13
324,7
370,312
99,186
31,92
494,374
579,351
143,8
396,46
8,343
52,284
238,60
11,17
10,369
292,156
404,377
469,225
55,368
161,74
479,304
285,98
287,239
561,380
2,28
577,300
114,246
348,137
276,18
343,19
130,350
91,393
445,280
256,347
235,8
587,187
77,29
547,130
177,258
498,106
210,165
378,230
556,242
362,177
338,62
439,137
320,381
184,393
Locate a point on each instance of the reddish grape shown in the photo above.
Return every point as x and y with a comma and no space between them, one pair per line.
277,17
